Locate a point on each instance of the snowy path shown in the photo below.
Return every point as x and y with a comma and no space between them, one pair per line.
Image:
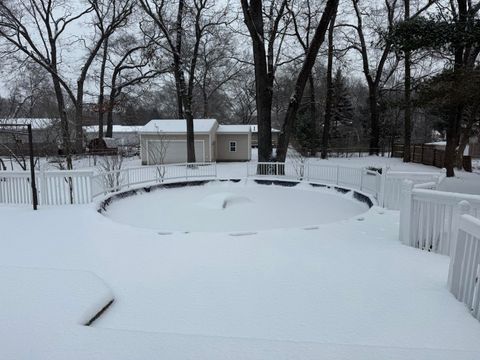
349,283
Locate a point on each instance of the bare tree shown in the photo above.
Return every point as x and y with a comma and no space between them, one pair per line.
157,154
194,19
266,24
43,44
110,166
133,62
308,63
329,94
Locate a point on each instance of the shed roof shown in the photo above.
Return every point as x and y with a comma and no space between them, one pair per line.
233,129
178,126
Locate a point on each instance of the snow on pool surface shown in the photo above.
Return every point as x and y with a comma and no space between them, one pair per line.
229,206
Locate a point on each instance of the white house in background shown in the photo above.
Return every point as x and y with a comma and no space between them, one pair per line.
122,134
165,141
254,129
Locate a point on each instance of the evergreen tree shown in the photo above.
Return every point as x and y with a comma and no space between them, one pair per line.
342,108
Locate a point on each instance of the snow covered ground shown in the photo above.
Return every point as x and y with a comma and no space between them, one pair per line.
343,290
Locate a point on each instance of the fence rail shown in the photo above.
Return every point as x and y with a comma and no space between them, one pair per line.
81,186
427,217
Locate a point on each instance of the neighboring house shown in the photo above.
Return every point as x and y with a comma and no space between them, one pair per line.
123,135
254,129
165,141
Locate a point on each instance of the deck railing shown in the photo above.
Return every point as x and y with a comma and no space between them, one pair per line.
464,272
427,217
83,186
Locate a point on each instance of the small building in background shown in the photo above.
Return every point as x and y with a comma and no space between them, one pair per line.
165,141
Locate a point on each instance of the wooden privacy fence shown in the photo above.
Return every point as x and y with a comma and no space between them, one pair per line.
428,155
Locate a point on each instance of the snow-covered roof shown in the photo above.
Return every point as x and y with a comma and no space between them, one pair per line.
178,126
233,129
116,129
37,123
254,129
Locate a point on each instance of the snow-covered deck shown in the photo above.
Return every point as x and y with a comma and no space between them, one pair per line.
345,290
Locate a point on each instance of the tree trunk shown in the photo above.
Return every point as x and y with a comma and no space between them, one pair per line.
65,131
253,14
329,95
101,96
313,112
374,145
111,105
454,120
296,97
408,104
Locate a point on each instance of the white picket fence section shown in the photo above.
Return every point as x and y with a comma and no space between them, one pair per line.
117,180
464,272
427,217
356,178
15,187
81,187
395,179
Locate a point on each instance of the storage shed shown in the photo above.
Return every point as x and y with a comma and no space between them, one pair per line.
165,141
234,143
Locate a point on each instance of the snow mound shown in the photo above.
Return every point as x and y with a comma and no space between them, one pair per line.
222,200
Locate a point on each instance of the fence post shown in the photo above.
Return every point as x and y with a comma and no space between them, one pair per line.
383,185
462,208
406,212
43,188
361,178
127,171
90,186
338,170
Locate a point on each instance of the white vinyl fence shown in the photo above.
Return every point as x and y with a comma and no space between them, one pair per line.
80,186
356,178
395,179
464,272
64,187
427,217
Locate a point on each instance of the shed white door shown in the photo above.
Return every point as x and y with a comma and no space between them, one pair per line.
175,151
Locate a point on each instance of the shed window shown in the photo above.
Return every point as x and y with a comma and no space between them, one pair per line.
233,146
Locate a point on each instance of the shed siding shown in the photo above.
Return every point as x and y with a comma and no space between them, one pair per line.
243,152
145,137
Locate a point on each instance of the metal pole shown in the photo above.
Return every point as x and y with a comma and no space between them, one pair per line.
32,167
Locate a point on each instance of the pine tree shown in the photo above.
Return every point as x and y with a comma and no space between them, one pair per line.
342,108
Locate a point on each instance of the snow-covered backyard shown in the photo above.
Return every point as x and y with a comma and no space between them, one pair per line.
345,288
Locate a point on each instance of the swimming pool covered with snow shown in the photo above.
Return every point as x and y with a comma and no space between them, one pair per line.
234,206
